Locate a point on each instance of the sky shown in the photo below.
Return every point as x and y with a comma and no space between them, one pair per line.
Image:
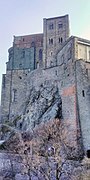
22,17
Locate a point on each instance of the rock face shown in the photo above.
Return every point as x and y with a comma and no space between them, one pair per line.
43,105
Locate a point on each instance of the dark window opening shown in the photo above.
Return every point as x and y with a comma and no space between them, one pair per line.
83,93
20,125
61,39
40,54
23,39
25,152
51,26
88,153
23,54
33,44
87,72
51,53
27,111
50,41
56,73
60,26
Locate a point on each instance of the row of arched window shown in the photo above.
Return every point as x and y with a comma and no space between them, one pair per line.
60,40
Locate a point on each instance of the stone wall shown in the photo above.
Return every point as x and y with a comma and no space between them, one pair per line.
83,100
26,53
56,32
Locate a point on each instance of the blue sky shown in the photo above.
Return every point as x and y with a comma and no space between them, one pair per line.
19,17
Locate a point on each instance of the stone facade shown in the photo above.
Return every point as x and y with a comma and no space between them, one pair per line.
65,63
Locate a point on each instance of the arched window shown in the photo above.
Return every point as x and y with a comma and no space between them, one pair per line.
51,41
61,39
40,54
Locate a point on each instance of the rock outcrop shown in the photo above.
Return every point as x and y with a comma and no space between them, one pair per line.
43,105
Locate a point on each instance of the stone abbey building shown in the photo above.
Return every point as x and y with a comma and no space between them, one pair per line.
50,57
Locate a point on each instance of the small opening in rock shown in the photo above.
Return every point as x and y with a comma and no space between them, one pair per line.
25,152
20,77
27,111
88,153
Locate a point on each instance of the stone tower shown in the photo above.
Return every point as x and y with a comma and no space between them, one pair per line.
56,32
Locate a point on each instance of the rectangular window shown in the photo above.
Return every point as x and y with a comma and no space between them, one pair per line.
51,26
83,93
60,26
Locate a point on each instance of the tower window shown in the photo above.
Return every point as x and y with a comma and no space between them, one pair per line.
60,26
51,26
51,41
60,40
